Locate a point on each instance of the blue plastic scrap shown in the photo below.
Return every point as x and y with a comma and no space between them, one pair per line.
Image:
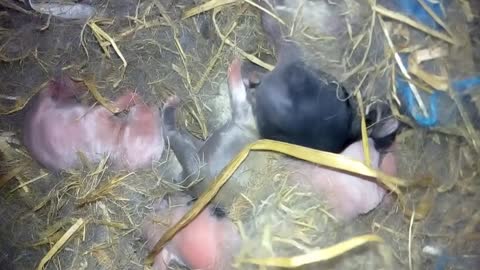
413,9
413,109
442,262
466,84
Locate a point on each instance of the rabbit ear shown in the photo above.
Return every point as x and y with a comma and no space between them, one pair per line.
384,133
63,87
252,81
58,72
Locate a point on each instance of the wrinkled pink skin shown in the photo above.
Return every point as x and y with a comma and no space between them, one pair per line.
58,126
206,243
347,195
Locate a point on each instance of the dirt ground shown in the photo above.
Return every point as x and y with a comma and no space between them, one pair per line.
166,55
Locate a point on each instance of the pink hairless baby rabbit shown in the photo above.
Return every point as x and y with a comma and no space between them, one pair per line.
58,126
207,243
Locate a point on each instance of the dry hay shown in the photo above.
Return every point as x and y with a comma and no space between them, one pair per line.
88,219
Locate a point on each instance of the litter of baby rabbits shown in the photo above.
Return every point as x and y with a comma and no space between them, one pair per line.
417,58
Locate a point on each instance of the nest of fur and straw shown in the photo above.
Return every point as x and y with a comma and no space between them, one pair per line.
90,218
